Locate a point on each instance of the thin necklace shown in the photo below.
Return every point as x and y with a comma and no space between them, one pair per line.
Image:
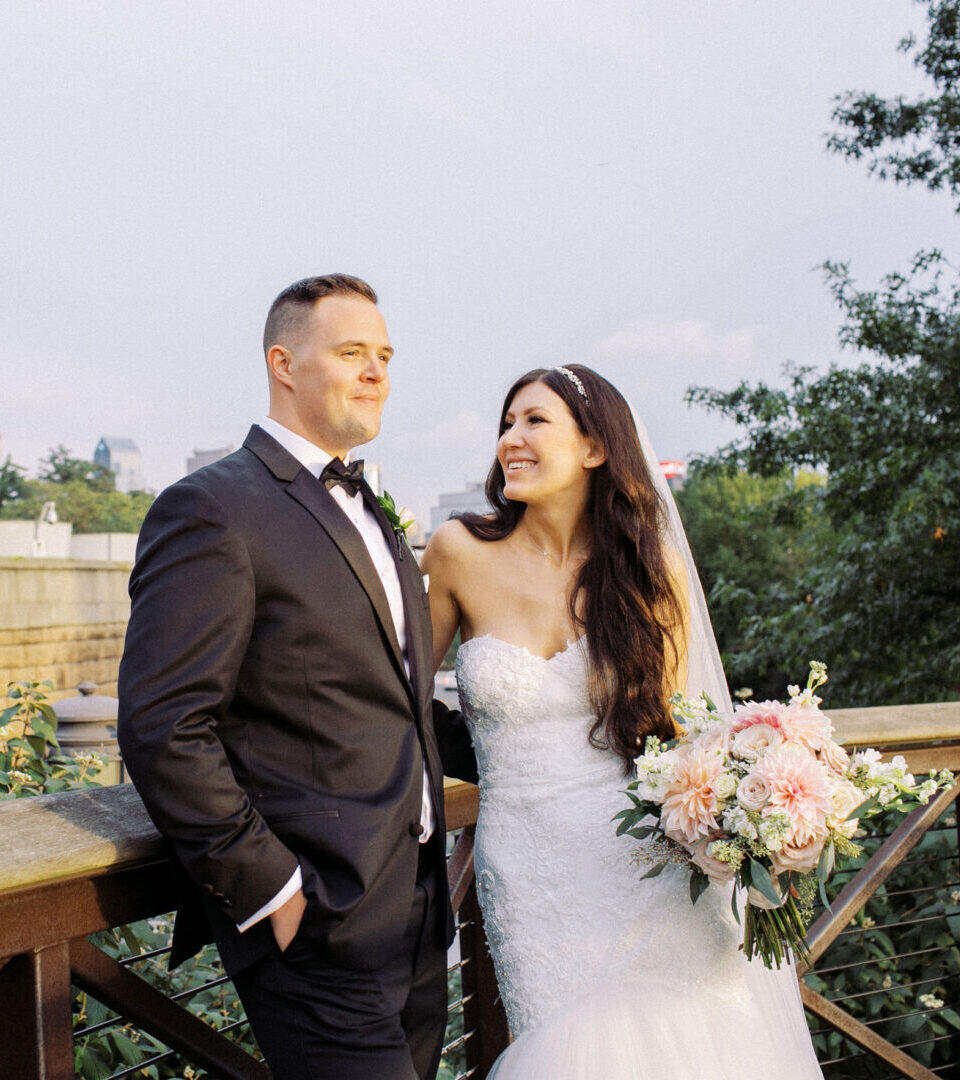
547,555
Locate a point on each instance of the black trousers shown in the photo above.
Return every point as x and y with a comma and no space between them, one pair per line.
314,1021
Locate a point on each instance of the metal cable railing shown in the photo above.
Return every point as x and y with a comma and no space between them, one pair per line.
893,971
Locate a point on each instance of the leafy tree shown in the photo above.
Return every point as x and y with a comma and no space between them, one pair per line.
752,536
12,480
89,509
912,142
880,599
58,467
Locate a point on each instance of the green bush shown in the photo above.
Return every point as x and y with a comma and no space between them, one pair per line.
30,758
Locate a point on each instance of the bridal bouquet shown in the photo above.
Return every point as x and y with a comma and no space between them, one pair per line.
764,798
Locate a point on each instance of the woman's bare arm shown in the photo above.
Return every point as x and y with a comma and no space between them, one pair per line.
442,559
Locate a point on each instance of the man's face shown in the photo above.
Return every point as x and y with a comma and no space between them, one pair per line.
337,372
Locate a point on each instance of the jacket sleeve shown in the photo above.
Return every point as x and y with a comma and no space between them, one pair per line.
192,611
453,742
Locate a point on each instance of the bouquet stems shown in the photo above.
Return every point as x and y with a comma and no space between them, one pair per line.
774,933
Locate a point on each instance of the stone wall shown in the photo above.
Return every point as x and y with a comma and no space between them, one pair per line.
62,620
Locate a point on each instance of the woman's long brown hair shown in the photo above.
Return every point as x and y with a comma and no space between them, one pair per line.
623,599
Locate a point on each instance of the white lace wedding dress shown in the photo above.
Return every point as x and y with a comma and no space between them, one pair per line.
604,976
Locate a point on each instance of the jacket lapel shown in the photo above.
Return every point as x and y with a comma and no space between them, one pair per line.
317,501
411,588
419,645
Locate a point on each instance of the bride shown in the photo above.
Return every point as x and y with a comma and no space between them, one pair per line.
579,614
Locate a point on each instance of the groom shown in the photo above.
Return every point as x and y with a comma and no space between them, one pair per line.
276,716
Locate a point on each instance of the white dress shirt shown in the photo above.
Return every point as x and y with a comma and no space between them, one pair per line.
314,459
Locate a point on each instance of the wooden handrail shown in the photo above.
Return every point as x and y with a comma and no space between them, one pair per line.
83,861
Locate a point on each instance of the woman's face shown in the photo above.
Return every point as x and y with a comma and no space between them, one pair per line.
541,450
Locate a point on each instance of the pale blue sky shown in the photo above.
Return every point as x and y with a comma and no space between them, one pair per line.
641,185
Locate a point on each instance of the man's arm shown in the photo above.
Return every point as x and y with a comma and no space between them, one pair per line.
193,600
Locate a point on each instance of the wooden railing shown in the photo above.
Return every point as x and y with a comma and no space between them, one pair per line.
82,862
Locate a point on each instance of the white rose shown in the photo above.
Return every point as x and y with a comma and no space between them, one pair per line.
753,792
724,785
751,742
846,798
715,737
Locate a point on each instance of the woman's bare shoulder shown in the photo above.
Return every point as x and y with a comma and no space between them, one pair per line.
452,541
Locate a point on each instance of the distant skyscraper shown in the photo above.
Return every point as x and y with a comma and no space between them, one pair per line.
471,499
122,458
206,457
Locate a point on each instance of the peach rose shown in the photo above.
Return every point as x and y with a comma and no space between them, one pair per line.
716,737
798,857
753,792
720,873
836,759
750,742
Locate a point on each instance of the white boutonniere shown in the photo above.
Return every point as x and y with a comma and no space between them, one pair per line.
401,521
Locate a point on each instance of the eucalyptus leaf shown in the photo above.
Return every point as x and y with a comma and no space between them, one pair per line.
763,883
826,861
654,871
699,883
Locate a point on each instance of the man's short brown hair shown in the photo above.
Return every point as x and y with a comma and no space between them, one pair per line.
292,306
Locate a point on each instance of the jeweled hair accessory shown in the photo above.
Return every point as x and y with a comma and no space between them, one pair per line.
577,382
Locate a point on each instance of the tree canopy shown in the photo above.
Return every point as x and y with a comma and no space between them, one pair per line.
84,494
911,142
877,595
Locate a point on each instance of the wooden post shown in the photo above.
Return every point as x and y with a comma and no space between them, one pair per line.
483,1011
36,1041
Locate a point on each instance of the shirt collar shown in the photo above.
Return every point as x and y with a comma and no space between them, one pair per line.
309,455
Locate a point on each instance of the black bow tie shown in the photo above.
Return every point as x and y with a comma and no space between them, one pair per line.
350,476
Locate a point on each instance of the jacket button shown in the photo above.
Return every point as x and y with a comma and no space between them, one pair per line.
416,828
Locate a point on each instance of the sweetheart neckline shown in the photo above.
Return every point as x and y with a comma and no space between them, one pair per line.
570,645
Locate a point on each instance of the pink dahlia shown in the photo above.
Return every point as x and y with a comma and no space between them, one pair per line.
758,712
806,725
691,802
801,787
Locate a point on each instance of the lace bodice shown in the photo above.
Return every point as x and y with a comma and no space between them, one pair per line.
604,975
562,898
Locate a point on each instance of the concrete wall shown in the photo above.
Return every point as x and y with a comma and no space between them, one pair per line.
32,538
109,547
63,620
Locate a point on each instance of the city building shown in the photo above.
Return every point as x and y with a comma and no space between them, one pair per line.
122,458
471,499
206,457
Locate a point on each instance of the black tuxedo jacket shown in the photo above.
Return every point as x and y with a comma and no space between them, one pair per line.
266,717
